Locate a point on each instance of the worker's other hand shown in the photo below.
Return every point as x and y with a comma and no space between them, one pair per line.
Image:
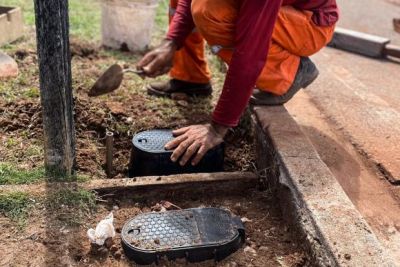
194,141
158,61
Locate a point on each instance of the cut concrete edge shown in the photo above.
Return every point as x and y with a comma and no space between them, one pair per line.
336,233
359,42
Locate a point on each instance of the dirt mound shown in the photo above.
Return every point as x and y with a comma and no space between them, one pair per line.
83,49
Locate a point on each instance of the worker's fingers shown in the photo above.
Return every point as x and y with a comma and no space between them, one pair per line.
180,131
178,152
190,151
146,60
200,154
166,69
175,142
154,67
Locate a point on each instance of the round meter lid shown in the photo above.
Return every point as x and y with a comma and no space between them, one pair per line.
175,230
152,141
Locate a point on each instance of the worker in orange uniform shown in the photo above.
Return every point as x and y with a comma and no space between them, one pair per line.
266,43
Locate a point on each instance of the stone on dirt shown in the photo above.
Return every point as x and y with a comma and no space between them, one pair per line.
179,96
250,250
8,66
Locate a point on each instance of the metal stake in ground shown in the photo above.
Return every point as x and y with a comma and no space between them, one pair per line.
109,153
52,29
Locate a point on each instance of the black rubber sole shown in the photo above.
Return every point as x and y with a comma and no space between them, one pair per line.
190,92
280,100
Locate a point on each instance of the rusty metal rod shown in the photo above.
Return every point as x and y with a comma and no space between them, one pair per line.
392,50
109,153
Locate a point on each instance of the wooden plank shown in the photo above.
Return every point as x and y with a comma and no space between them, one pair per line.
139,182
190,179
359,43
52,33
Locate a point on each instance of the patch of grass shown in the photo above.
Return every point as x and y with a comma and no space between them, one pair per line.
15,206
73,198
32,92
9,174
73,205
162,14
84,16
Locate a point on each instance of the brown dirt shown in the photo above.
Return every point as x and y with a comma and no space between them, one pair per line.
124,112
49,242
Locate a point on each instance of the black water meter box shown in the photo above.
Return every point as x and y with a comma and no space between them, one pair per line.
150,158
195,234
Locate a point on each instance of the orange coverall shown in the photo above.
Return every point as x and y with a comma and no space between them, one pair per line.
294,35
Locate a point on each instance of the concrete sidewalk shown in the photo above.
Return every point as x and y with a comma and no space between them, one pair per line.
336,232
360,95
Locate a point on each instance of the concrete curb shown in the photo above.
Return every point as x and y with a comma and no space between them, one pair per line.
310,196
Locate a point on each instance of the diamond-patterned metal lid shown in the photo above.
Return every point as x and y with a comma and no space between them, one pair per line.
152,141
179,229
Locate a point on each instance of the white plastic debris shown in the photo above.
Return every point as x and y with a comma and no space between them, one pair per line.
246,220
104,230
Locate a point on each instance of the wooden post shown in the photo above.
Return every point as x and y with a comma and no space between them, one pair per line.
52,29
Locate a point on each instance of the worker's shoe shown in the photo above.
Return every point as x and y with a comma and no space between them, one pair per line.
176,86
306,74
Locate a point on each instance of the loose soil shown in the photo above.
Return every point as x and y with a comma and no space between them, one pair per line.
124,112
49,242
57,236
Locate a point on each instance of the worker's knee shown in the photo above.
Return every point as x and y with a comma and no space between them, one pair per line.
204,15
215,19
321,37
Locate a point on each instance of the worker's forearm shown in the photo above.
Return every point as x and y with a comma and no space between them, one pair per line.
254,28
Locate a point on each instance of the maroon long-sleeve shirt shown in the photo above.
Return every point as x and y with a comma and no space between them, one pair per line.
254,29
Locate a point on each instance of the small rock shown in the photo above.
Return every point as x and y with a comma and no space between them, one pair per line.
8,66
250,250
263,248
179,96
114,248
391,230
116,107
396,24
115,208
118,255
109,242
347,256
183,103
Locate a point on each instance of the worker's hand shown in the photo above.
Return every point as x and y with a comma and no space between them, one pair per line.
158,61
195,140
